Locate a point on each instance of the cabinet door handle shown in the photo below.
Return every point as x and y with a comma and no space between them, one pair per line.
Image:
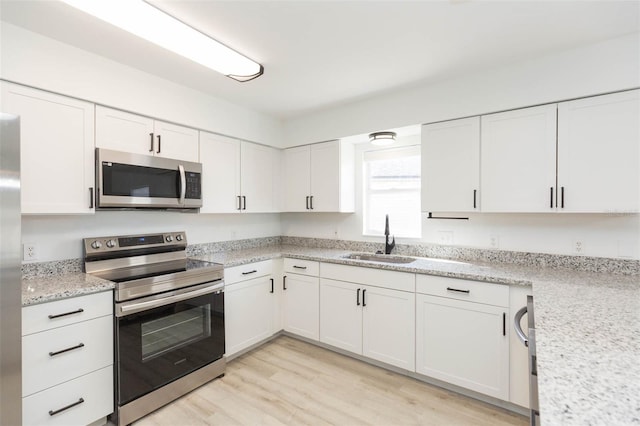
307,202
151,146
60,410
562,197
311,203
458,290
551,198
159,145
475,191
358,298
504,323
363,300
244,202
250,272
284,282
91,197
77,311
272,289
78,346
299,267
239,202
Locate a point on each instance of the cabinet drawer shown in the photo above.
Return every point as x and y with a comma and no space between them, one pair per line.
248,271
302,267
394,280
42,368
472,291
50,315
95,390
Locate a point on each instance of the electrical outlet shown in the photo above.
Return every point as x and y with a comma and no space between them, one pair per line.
29,251
234,234
578,247
445,237
494,241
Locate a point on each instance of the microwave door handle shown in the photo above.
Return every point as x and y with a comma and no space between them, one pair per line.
183,184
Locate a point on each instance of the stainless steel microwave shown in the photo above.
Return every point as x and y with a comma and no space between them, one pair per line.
131,181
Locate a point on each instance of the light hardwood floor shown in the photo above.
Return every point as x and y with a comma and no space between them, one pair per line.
289,382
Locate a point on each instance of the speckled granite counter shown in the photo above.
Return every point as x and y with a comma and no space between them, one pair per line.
587,324
54,287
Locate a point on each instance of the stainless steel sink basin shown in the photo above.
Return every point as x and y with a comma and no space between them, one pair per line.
384,258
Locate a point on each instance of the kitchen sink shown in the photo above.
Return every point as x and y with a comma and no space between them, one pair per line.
384,258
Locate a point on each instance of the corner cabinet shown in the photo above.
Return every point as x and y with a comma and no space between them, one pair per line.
451,166
238,176
57,145
319,178
462,333
356,308
123,131
67,361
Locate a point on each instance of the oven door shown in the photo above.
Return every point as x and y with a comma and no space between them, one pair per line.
164,337
126,180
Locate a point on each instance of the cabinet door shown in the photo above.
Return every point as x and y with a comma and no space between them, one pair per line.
451,166
297,178
301,305
220,157
463,343
177,142
57,145
599,154
518,160
256,183
325,177
248,313
388,326
341,315
123,131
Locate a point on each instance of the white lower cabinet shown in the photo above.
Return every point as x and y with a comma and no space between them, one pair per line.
301,298
67,361
463,342
249,305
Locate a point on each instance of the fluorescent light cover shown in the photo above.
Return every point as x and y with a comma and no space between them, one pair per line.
151,24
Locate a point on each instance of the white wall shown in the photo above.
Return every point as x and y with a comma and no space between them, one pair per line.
38,61
611,235
60,237
603,67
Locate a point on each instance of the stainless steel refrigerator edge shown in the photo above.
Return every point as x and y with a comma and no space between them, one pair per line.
10,275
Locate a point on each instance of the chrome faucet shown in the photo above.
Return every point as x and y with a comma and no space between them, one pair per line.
388,247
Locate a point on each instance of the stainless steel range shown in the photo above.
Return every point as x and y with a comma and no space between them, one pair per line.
169,318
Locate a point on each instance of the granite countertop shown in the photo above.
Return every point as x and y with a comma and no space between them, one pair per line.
587,329
587,324
55,287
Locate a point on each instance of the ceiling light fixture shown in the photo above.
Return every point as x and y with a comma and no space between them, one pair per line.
382,138
144,20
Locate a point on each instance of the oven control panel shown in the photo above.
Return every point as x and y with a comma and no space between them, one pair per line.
167,241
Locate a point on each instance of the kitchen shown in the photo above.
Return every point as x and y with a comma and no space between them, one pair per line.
41,55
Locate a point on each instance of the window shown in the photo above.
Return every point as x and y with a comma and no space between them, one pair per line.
392,186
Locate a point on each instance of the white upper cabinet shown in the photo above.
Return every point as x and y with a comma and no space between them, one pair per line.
599,154
57,145
123,131
238,176
319,177
451,166
518,160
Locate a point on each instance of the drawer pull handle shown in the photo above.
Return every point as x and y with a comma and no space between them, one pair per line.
299,267
250,272
458,290
81,345
79,311
60,410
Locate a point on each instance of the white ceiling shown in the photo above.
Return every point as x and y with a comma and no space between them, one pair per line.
318,54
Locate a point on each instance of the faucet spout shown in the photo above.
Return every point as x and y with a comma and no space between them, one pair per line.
388,246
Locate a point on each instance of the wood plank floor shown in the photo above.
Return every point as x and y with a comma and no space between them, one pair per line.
289,382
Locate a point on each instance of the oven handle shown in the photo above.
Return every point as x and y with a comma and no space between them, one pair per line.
132,307
183,183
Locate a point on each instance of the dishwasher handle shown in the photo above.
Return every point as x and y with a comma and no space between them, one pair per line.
516,325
